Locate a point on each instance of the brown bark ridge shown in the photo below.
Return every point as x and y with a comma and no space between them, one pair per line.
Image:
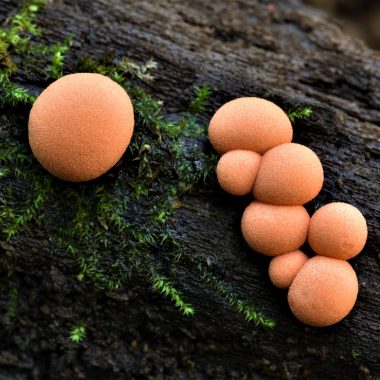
288,53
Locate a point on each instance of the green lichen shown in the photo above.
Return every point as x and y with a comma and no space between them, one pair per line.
114,227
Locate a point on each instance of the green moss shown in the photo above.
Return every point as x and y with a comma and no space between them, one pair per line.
247,309
299,114
17,44
18,169
355,354
241,305
202,94
14,218
114,227
142,72
15,40
56,53
12,303
11,94
78,333
15,36
163,285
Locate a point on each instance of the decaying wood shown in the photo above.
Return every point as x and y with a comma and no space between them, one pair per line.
287,53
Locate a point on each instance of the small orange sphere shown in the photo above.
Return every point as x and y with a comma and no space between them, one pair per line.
323,292
236,171
337,230
284,268
80,126
274,230
289,174
250,124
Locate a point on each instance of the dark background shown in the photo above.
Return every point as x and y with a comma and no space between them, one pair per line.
360,18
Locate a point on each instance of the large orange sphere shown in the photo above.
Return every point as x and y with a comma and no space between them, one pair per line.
323,292
250,124
289,174
338,230
80,126
274,230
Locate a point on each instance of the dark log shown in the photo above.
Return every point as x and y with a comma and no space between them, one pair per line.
288,53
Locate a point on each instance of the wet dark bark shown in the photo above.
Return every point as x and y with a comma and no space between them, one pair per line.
289,54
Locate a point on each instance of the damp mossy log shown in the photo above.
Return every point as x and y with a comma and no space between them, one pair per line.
285,52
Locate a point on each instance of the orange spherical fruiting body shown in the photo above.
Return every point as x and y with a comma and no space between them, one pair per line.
236,171
249,123
80,126
289,174
338,230
323,292
273,230
284,268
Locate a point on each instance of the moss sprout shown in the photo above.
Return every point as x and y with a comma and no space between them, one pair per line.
78,333
12,303
164,286
202,94
299,114
355,354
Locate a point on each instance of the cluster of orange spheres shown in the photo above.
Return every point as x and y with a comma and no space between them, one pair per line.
80,126
254,138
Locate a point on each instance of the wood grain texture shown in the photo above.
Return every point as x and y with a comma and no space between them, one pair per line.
291,55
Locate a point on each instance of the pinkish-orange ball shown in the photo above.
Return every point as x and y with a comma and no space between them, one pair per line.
289,174
273,230
236,171
250,124
323,292
284,268
338,230
80,126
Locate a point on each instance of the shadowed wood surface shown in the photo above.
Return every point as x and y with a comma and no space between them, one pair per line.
289,54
